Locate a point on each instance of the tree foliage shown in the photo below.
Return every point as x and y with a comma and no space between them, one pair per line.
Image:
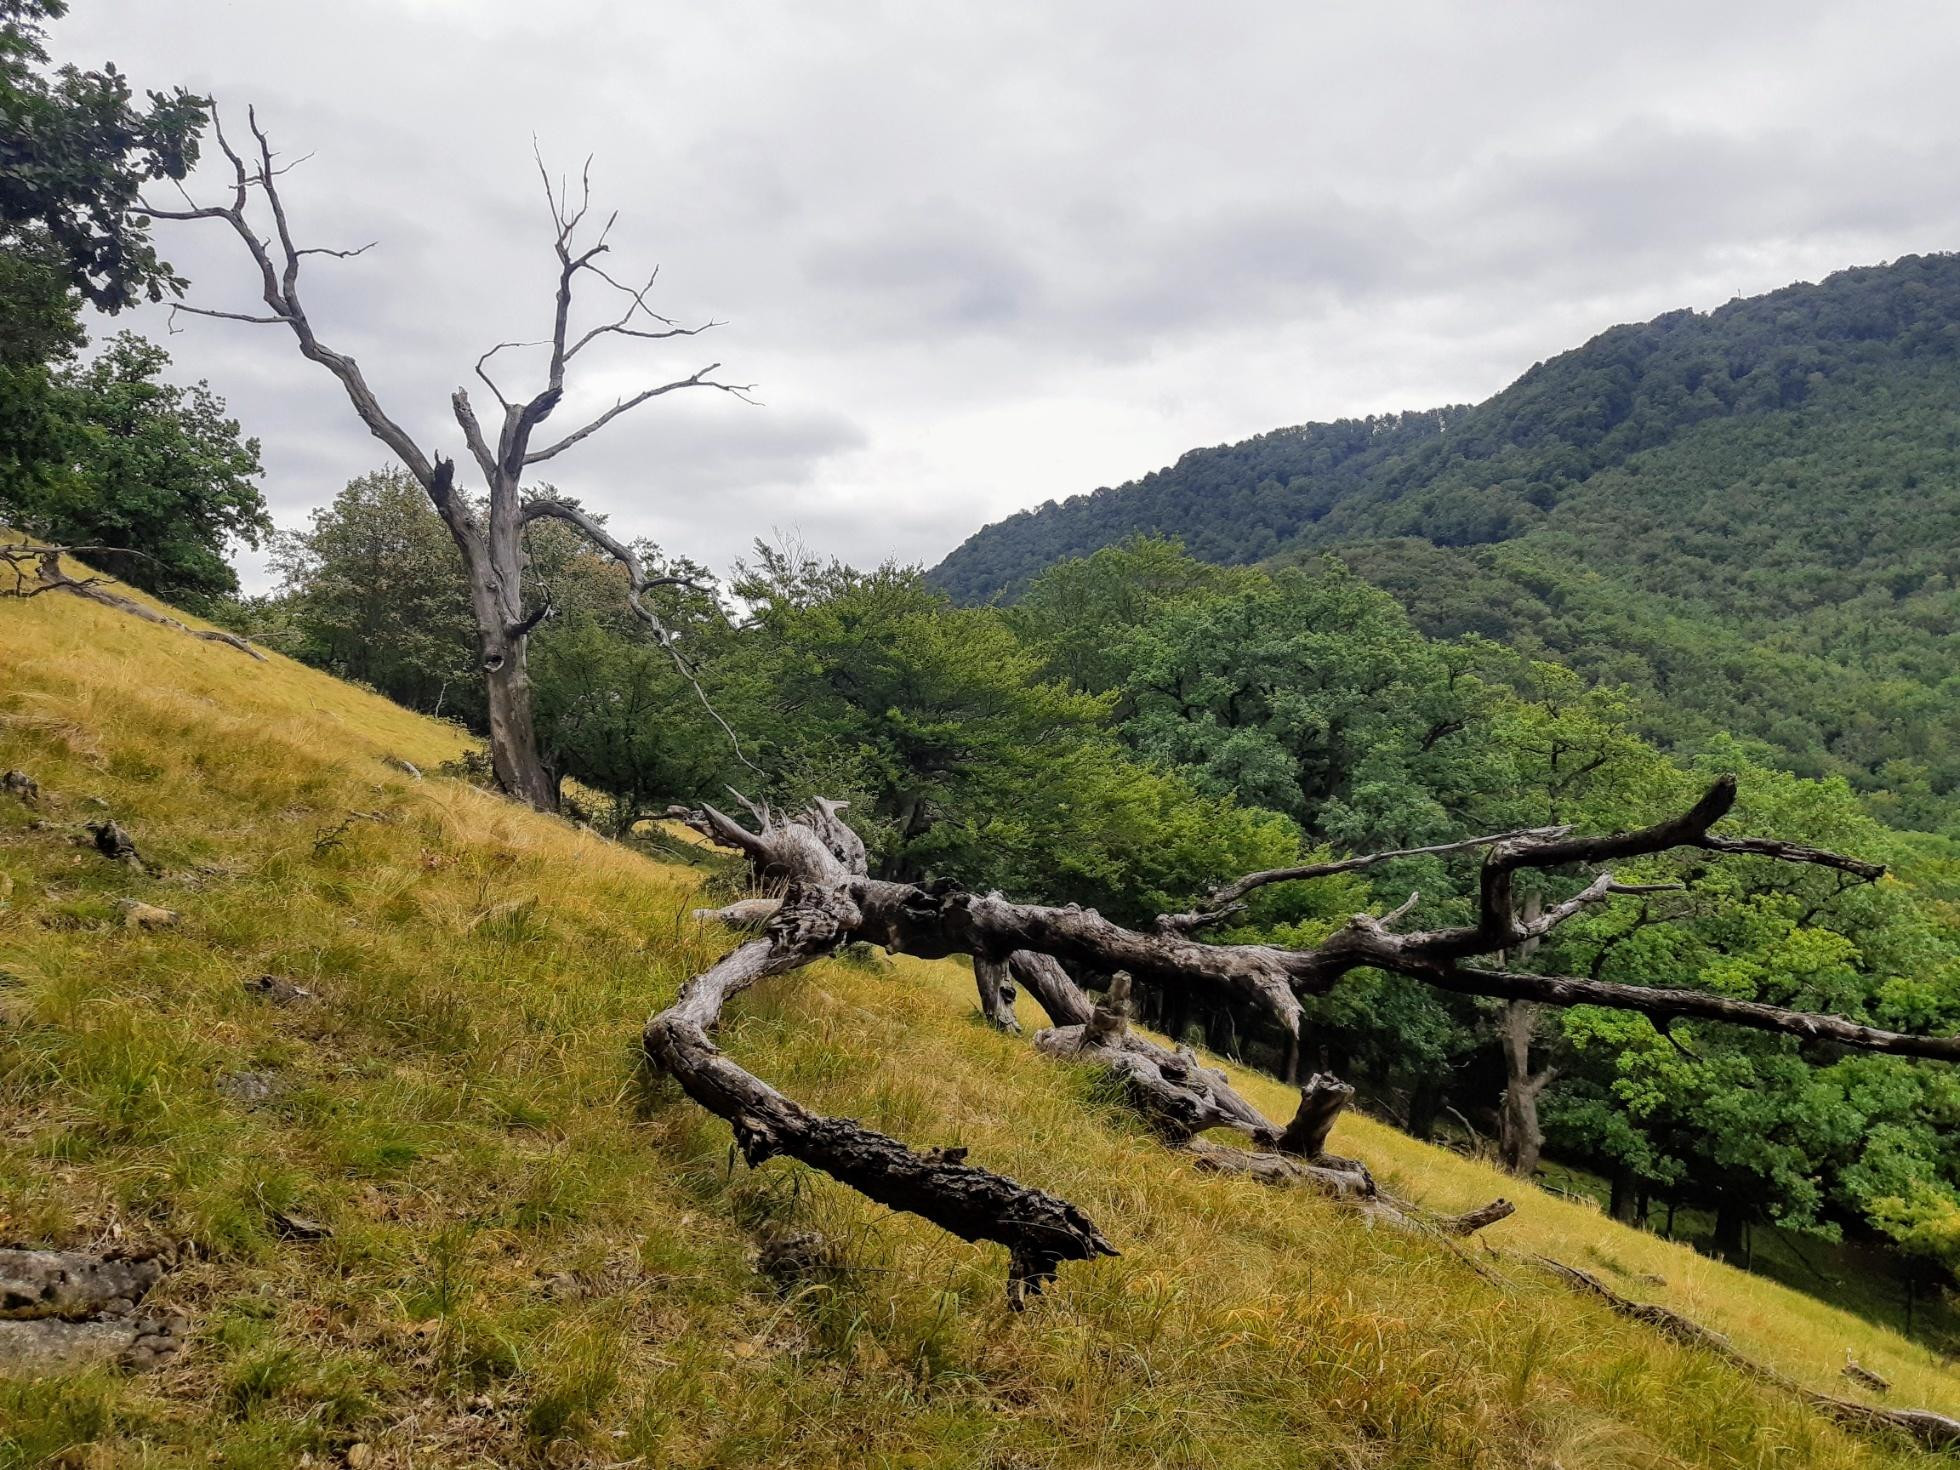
1745,517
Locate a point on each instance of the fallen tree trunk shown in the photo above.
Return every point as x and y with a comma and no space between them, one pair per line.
1039,1230
829,900
50,577
1934,1431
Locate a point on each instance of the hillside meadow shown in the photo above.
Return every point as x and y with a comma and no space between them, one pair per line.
535,1253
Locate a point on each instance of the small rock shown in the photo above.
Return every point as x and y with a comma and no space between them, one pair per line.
248,1087
790,1260
279,991
360,1456
139,915
22,785
114,843
300,1227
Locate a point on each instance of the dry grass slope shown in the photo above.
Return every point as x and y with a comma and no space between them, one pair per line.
538,1256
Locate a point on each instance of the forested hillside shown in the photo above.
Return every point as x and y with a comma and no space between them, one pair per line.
1750,518
374,1081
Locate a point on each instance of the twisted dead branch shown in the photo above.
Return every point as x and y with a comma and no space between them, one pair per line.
51,576
828,899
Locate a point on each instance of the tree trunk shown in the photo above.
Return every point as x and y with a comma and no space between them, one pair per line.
1621,1205
1177,1016
1425,1103
1731,1220
521,771
1519,1140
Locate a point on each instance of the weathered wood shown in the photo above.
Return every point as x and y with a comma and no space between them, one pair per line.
829,899
1043,977
1341,1180
1321,1101
1933,1431
1471,1221
1039,1230
997,994
52,577
1859,1374
488,535
743,913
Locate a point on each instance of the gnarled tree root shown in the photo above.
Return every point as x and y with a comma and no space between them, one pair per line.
1934,1431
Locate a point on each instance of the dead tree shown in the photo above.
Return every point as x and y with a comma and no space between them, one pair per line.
488,536
815,866
51,576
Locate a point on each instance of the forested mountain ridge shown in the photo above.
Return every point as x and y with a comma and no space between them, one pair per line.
1751,517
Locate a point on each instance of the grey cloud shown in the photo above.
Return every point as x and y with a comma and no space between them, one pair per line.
980,257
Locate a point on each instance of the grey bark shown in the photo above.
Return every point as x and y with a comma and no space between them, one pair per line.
830,900
995,982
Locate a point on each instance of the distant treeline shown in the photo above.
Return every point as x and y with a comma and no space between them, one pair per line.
1749,518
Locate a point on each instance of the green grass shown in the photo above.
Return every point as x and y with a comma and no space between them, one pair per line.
1859,1277
542,1256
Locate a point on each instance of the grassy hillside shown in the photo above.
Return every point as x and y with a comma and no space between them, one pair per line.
1749,516
539,1256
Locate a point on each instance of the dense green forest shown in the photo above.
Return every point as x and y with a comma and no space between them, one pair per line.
1141,725
1749,518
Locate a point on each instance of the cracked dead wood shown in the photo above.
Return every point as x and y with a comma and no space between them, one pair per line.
51,576
995,981
488,535
817,863
1933,1431
819,856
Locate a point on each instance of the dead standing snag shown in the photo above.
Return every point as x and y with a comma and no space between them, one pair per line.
488,537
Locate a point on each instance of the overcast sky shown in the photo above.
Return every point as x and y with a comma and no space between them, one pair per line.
978,256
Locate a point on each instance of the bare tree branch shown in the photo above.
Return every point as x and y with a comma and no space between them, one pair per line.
1239,887
698,379
637,584
488,544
